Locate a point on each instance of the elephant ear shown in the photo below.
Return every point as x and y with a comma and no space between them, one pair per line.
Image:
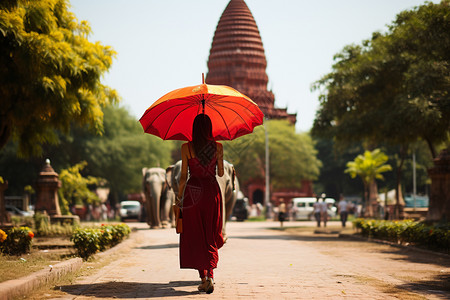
162,175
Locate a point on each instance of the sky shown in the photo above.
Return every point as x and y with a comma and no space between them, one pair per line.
163,45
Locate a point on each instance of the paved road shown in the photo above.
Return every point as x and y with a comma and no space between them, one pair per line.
260,263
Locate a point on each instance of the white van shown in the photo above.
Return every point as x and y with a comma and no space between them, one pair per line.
302,208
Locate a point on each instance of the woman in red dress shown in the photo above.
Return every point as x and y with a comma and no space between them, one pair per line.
202,202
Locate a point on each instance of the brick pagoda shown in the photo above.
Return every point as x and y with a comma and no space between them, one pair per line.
237,59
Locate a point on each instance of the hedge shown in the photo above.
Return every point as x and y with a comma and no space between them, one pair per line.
436,237
89,241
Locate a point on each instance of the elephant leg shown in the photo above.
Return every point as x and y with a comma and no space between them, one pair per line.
166,208
170,200
148,209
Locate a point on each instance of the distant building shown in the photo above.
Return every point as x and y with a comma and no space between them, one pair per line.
237,59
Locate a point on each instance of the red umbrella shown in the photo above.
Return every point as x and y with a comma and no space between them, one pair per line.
232,114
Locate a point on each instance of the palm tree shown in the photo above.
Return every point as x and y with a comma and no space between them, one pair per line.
369,167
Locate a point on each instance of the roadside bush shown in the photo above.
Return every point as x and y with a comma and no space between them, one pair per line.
89,241
18,241
407,232
86,241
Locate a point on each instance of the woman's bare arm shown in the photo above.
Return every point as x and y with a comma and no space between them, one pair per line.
184,170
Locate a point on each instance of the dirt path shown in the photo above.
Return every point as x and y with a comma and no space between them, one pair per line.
261,263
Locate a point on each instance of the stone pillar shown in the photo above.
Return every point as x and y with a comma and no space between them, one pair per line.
47,186
3,216
439,208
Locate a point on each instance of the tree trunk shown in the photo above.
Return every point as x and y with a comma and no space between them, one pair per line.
373,198
431,147
439,208
5,133
3,216
399,202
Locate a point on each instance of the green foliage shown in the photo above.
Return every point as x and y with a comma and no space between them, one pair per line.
75,188
89,241
407,232
50,75
334,160
393,88
117,156
292,155
18,241
369,166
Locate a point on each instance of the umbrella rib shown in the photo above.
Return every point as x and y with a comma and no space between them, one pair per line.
161,113
171,123
237,103
224,106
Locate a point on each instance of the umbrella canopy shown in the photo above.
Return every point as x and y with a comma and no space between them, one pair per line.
232,114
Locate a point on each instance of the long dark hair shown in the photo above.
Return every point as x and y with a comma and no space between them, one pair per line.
202,139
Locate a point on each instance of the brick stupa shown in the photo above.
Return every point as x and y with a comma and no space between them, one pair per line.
237,59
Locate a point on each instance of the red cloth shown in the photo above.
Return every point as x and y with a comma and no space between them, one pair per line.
202,218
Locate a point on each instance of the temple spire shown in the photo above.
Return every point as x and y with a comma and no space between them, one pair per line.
237,58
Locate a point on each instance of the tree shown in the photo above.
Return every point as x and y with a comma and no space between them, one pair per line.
334,160
118,155
369,167
75,188
50,74
292,155
394,88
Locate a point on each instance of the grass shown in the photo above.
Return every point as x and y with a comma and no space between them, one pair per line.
35,261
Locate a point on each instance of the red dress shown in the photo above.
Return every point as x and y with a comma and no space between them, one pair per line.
202,218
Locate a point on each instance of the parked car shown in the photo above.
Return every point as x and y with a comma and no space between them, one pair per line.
14,211
303,208
130,210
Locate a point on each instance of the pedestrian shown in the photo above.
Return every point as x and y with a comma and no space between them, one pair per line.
324,211
201,237
343,208
282,213
317,210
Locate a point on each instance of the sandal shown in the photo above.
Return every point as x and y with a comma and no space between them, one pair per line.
209,286
201,286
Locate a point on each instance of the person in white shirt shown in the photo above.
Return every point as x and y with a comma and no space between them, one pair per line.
343,210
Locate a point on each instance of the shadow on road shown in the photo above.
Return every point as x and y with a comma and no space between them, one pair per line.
418,256
306,238
165,246
134,290
439,285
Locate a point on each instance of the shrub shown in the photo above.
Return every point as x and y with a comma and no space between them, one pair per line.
86,241
89,241
18,241
407,231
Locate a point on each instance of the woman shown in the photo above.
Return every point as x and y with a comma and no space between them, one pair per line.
202,202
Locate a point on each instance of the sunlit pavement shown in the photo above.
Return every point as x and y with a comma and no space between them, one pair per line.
261,263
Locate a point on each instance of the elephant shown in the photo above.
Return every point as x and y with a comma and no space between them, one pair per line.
228,183
158,197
